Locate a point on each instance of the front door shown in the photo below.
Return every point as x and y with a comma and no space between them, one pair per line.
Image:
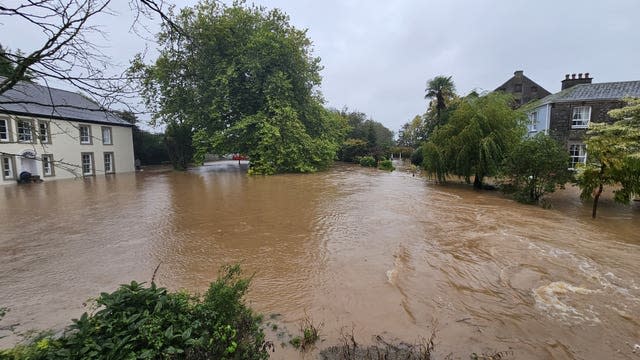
28,163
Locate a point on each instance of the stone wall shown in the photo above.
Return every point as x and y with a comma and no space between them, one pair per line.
561,113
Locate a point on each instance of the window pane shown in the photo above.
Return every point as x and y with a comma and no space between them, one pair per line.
44,132
7,171
24,131
85,135
106,136
108,162
87,168
4,130
47,165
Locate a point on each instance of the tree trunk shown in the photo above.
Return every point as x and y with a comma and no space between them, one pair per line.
477,182
595,201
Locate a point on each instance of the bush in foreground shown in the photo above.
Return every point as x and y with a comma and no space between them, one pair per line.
386,165
367,161
535,167
149,322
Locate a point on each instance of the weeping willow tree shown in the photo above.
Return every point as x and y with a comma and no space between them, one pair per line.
481,131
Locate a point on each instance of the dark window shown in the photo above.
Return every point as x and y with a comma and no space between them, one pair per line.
534,89
517,88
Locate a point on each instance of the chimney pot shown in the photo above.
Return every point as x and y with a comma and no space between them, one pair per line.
566,77
580,76
573,76
586,75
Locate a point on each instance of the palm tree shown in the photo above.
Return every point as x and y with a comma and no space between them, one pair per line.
441,88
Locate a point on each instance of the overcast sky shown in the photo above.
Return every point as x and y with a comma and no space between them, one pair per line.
378,55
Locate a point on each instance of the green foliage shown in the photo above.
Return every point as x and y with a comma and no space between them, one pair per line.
310,335
412,133
149,148
386,165
8,63
296,342
613,157
442,89
536,166
365,137
243,81
352,149
178,140
417,156
368,161
403,151
148,322
479,134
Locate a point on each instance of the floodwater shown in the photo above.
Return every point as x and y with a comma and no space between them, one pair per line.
354,249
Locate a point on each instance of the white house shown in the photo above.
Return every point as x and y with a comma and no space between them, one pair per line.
57,134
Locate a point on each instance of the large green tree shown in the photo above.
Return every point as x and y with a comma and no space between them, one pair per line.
364,136
242,79
613,157
480,132
412,133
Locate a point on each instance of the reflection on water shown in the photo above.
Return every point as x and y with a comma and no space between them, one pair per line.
352,247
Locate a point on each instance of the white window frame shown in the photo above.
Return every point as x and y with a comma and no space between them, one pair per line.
577,120
25,133
8,170
47,165
45,138
533,121
90,164
109,140
85,139
577,154
111,169
7,131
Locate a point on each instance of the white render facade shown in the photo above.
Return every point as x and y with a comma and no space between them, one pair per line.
60,141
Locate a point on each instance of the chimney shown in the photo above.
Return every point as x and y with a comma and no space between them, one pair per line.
518,73
573,80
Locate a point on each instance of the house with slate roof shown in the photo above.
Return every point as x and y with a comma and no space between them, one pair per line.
56,134
565,116
523,89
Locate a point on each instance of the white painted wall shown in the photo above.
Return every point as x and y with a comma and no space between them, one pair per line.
66,148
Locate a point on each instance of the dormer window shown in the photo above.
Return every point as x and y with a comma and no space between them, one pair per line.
581,117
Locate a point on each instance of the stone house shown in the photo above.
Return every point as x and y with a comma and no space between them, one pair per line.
523,89
565,116
56,134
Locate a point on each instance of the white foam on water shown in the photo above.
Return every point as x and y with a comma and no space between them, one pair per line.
392,275
549,298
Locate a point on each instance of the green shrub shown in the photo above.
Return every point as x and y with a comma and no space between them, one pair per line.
148,322
535,167
417,156
367,161
386,165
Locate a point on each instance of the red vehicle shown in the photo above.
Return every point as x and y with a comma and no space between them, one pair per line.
239,157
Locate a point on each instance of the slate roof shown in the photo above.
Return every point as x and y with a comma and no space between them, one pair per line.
36,100
600,91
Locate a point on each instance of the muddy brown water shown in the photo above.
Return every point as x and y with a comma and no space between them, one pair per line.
354,249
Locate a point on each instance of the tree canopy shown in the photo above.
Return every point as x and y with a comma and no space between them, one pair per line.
475,140
243,80
536,166
442,89
613,156
364,137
